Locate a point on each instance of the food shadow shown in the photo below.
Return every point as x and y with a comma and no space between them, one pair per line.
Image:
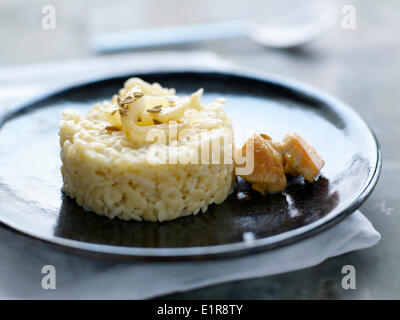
243,211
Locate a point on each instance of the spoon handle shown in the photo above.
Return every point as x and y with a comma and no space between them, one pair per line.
150,38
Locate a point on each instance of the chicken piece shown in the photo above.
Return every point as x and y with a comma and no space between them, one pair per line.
278,147
300,157
268,174
274,144
288,168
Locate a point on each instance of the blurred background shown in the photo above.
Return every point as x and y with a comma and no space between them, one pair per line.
359,65
77,22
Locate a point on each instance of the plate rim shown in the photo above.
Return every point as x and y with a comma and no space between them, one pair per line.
213,251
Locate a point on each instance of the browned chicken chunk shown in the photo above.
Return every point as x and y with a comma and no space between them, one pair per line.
300,157
272,160
268,174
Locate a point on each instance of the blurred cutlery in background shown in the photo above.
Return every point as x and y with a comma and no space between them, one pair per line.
289,31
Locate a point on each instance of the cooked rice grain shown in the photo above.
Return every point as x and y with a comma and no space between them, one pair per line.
110,176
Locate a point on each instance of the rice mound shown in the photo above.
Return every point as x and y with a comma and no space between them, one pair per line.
115,173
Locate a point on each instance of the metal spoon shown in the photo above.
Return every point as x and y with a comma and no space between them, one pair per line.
292,31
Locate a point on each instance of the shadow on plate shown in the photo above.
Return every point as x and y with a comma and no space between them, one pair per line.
243,211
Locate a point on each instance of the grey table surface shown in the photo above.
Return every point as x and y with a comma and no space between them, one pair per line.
359,66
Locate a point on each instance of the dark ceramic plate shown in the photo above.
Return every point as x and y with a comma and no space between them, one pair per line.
30,181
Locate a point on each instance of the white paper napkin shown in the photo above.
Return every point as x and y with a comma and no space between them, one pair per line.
82,278
21,259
